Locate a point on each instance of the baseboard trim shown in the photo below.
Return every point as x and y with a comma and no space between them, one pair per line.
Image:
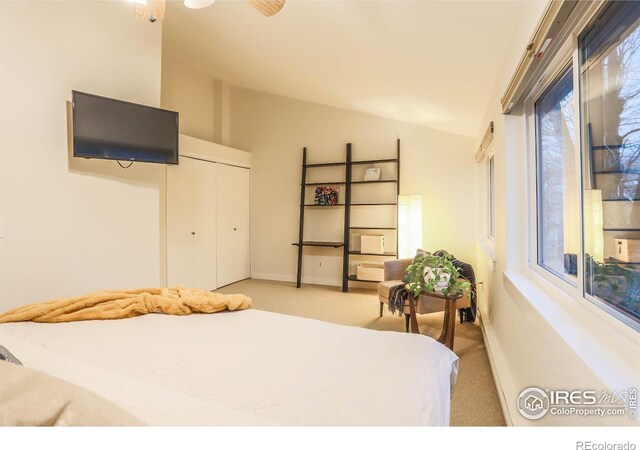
498,366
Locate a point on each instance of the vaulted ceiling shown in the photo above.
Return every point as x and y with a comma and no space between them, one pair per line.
432,63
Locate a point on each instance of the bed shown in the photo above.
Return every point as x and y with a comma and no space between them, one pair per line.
245,368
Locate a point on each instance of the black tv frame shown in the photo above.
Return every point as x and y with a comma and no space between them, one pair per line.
177,153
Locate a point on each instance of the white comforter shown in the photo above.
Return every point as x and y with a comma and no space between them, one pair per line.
246,368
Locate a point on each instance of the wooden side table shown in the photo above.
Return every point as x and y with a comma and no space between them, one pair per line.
447,335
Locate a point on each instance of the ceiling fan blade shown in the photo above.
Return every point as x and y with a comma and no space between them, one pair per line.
160,8
150,8
267,7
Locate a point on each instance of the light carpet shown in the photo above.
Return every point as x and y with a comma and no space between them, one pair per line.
475,399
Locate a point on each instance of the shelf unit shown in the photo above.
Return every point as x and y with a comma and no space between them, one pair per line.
379,181
355,278
604,175
324,183
319,244
348,252
357,252
303,205
348,204
372,228
621,263
374,204
606,172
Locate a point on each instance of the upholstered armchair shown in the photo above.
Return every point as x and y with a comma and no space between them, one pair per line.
394,272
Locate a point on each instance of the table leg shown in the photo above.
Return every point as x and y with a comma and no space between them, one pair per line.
413,319
448,324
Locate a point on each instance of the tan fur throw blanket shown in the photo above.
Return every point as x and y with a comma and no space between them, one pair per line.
105,305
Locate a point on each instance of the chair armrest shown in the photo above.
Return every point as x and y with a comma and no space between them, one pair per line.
396,268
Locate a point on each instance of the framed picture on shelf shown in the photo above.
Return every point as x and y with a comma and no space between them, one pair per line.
326,195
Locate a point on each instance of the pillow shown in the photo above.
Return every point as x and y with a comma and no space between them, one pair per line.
32,398
5,355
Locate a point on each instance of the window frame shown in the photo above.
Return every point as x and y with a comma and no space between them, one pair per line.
553,81
567,55
601,306
564,59
483,239
490,231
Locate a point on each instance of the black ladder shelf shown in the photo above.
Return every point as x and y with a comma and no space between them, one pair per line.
346,277
347,204
619,171
303,205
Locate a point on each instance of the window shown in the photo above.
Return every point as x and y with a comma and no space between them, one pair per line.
491,196
586,213
557,227
610,102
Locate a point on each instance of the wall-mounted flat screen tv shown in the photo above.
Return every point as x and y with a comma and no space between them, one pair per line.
106,128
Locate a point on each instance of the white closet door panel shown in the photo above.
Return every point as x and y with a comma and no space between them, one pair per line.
180,211
205,226
234,252
243,218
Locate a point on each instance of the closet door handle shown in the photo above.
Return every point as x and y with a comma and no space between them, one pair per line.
235,229
193,233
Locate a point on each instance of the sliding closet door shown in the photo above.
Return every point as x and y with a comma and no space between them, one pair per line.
191,224
233,193
204,270
180,209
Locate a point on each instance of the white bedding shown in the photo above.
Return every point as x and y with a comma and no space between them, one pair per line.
246,368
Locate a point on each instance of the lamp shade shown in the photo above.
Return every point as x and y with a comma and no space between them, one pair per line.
197,4
593,224
409,225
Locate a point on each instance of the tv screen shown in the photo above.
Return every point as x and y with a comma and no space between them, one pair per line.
106,128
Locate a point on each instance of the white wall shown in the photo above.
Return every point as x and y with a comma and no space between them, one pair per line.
70,226
190,92
274,129
535,336
436,164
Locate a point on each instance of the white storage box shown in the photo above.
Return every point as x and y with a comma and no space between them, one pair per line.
370,272
627,250
372,244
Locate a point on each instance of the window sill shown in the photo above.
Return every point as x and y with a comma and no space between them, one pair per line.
609,351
